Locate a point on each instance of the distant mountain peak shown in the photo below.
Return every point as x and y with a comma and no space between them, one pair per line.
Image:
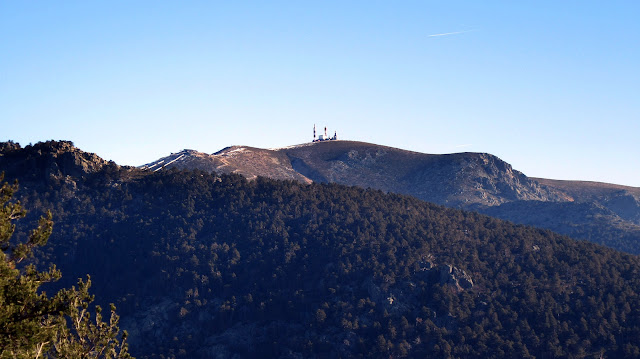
174,160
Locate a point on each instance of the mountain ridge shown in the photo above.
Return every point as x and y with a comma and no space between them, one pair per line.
473,181
382,167
604,213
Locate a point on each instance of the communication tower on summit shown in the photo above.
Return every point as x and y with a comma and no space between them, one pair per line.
324,137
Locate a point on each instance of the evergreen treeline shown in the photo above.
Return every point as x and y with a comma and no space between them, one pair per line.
201,265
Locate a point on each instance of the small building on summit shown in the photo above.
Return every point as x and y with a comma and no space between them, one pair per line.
324,137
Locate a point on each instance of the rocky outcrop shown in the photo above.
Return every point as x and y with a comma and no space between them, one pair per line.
455,277
446,274
49,160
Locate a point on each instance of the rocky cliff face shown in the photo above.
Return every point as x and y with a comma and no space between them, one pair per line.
48,160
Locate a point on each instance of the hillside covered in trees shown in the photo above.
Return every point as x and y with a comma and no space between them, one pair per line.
203,265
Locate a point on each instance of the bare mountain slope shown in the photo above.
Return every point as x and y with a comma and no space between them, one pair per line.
247,161
460,180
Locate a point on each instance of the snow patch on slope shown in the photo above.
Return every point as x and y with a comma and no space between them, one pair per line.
165,161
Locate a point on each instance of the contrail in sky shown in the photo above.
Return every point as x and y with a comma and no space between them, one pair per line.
451,33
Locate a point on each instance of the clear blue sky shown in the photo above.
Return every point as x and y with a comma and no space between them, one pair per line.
552,87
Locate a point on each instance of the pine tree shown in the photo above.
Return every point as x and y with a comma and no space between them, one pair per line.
34,325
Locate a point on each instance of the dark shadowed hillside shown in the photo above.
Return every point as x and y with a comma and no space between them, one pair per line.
204,265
